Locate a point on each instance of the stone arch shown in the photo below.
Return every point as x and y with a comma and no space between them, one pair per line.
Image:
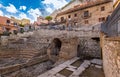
54,49
56,46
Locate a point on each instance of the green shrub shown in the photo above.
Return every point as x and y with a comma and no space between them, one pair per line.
21,30
6,33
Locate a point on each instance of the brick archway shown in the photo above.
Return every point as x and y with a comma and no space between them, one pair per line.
54,49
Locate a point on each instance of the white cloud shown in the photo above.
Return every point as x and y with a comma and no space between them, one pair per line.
49,10
15,13
9,16
56,3
1,5
1,13
34,13
31,14
22,7
11,8
23,15
20,16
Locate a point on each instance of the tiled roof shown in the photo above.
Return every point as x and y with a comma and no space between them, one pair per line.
84,6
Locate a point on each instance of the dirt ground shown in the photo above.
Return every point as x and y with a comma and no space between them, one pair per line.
92,72
77,63
66,72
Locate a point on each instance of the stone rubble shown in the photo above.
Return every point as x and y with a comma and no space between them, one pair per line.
76,71
58,68
97,66
96,61
32,71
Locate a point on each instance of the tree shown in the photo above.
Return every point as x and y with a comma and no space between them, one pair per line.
49,18
21,25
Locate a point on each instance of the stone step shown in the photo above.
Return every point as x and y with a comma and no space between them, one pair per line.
27,56
27,53
29,50
30,54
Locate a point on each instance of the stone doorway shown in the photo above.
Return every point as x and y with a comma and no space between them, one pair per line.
56,47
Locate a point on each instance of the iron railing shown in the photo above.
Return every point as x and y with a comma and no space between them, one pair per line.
112,25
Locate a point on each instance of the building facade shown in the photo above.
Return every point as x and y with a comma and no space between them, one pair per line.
87,13
25,21
22,21
112,26
54,14
110,44
41,20
17,21
71,4
6,24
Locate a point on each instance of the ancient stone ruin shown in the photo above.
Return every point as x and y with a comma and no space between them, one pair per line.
42,50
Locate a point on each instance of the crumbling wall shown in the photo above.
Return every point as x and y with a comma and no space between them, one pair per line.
28,71
21,50
89,48
69,48
111,56
26,47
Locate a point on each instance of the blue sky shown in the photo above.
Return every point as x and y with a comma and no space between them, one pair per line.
29,9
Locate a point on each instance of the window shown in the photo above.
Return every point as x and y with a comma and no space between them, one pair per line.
86,22
102,8
86,13
75,15
75,23
15,24
69,16
62,18
102,19
8,21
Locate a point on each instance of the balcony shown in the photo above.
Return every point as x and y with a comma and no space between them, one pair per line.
85,16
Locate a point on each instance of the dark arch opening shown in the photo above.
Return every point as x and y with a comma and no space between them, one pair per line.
78,51
97,39
57,43
56,47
